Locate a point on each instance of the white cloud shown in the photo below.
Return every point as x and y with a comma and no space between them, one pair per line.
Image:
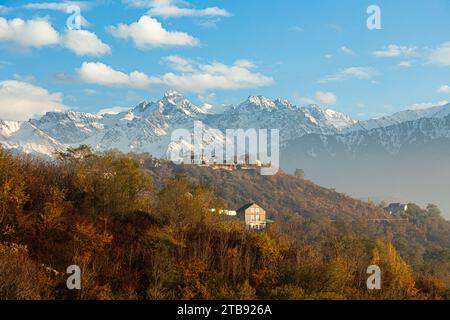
62,6
208,23
346,50
166,9
426,105
112,110
57,6
302,100
444,89
83,43
22,101
148,33
24,78
216,76
326,97
352,72
441,55
169,9
319,98
406,64
102,74
195,77
179,64
328,56
39,33
28,33
394,50
243,63
89,91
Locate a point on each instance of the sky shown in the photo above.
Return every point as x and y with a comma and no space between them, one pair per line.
115,54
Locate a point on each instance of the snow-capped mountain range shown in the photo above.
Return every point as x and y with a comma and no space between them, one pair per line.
148,126
403,155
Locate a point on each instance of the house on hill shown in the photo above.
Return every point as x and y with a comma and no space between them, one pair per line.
253,215
394,208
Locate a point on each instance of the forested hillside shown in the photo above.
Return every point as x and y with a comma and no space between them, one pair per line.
141,228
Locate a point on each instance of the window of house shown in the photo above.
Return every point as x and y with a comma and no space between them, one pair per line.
257,217
252,217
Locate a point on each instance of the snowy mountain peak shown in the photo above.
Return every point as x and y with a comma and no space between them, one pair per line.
148,127
284,103
259,102
173,97
7,128
327,116
142,106
174,100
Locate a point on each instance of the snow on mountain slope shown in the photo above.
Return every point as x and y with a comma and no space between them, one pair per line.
262,113
7,128
390,140
402,116
148,126
69,127
24,137
329,117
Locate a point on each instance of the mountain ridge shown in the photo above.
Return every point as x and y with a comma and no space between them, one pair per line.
147,126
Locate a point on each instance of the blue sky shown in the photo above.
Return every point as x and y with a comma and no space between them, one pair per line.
219,52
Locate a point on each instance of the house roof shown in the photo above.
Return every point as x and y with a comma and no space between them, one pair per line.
245,207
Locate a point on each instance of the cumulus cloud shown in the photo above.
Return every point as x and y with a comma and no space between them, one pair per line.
149,32
326,97
216,76
441,55
320,97
426,105
170,9
57,6
195,77
83,42
36,33
394,50
28,33
352,72
406,64
346,50
302,100
179,64
24,78
22,101
102,74
444,89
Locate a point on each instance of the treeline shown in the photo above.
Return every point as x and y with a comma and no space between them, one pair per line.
142,229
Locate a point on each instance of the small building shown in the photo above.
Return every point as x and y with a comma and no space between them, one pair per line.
231,213
225,212
253,215
395,208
